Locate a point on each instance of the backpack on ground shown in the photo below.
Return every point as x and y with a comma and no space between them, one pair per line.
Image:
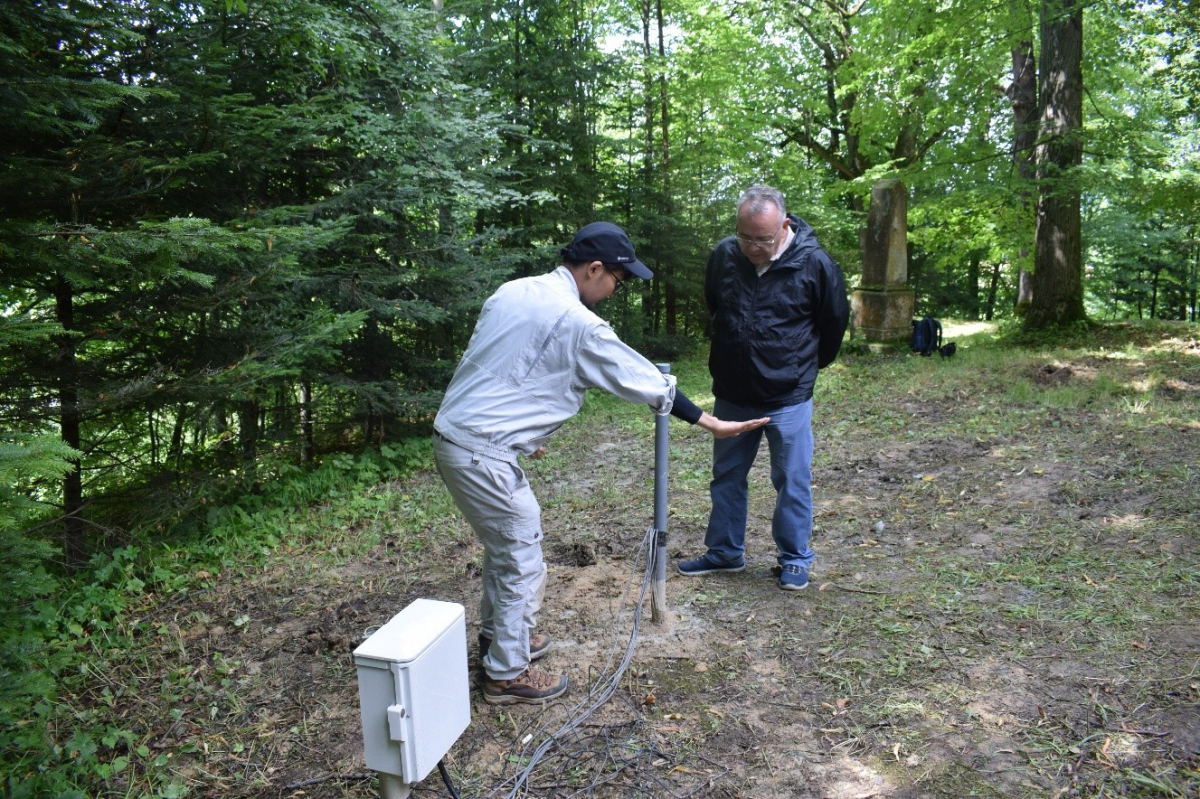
927,336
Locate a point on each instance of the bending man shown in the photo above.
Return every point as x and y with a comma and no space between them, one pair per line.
535,351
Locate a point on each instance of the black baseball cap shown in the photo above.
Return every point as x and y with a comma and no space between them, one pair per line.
607,243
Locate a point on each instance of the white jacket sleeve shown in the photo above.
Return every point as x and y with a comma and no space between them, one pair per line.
607,362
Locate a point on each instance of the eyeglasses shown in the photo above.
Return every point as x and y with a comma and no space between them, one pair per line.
620,283
760,241
747,241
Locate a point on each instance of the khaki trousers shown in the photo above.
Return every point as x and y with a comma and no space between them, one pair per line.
497,501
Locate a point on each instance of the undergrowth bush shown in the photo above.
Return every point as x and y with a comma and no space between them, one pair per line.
26,689
57,631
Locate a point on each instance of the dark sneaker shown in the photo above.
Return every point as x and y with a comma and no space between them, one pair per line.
539,644
530,687
793,578
706,564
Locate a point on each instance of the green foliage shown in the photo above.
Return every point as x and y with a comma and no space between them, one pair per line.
258,521
667,348
70,628
27,464
282,253
56,633
27,663
291,232
1141,209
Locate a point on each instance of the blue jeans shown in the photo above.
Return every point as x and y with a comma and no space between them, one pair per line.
790,441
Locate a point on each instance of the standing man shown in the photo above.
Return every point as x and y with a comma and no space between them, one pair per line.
536,349
779,309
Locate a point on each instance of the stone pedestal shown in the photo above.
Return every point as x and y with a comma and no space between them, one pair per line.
883,304
883,314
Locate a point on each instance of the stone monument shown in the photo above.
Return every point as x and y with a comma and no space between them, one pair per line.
883,304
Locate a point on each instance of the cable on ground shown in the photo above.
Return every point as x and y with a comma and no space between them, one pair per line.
587,756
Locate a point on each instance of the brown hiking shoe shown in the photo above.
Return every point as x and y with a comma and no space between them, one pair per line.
539,644
531,687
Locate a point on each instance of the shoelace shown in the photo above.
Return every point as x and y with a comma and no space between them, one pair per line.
538,680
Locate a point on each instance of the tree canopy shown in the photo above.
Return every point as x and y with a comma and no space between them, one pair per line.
239,234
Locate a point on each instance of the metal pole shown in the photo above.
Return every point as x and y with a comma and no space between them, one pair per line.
658,595
393,787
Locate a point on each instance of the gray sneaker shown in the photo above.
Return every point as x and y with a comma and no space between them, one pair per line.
530,687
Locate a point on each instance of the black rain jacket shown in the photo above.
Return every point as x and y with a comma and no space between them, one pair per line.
771,334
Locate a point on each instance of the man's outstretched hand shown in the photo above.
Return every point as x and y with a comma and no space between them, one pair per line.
723,429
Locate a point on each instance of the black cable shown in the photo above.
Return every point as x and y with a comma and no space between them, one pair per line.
579,758
446,779
605,685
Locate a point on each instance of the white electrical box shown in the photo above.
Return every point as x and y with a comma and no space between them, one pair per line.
414,688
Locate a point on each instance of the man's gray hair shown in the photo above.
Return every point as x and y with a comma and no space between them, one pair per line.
755,199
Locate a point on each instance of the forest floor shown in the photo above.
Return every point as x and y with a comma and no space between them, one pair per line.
1005,603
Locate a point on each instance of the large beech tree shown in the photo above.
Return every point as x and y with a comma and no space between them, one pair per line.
1058,246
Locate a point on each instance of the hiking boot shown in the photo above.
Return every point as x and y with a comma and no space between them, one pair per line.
793,578
530,687
706,564
539,645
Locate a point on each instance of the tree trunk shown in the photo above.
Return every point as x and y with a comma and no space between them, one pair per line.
1195,276
990,311
1022,95
70,426
175,454
1024,285
248,436
1058,248
307,446
973,285
1154,275
648,97
667,259
152,436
